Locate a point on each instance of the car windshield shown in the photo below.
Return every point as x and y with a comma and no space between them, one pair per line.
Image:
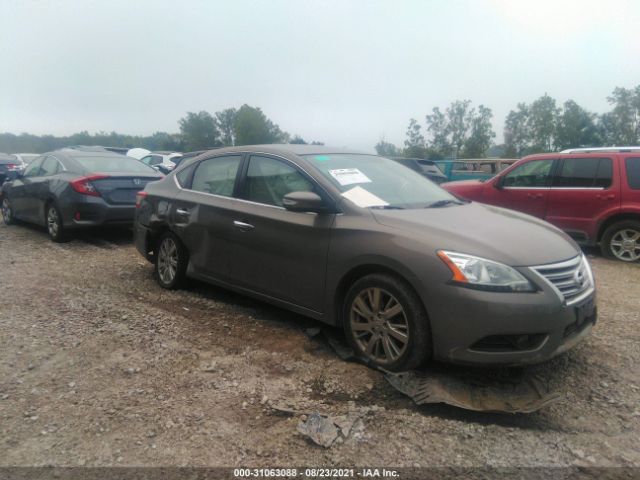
119,164
378,182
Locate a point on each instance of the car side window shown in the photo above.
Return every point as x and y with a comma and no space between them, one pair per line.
584,173
217,175
49,167
33,168
183,175
269,180
534,173
633,172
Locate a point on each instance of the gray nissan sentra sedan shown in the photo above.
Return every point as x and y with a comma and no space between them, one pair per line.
359,241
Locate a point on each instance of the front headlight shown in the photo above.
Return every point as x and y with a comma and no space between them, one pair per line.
483,274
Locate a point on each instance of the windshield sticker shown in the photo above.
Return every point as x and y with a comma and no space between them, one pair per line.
322,158
349,176
363,198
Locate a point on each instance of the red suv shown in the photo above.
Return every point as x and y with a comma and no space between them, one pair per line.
592,194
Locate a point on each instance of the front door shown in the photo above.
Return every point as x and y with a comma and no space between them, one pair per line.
524,188
279,253
20,190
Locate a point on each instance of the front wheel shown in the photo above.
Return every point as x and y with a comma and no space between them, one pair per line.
386,323
7,212
621,241
171,260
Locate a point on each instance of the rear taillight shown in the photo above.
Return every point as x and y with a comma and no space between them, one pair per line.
140,196
85,186
12,167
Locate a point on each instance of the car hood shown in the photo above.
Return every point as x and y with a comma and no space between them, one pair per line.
491,232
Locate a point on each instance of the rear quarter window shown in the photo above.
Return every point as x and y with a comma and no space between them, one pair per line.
183,176
632,166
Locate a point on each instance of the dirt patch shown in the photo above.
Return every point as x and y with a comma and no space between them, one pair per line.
99,366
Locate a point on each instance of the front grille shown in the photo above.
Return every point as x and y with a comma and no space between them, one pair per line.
571,279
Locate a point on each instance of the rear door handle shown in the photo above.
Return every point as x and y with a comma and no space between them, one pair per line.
606,197
243,226
534,195
182,211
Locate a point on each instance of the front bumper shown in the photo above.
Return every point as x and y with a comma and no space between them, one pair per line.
485,328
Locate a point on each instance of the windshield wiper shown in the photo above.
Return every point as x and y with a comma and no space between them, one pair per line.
443,203
387,207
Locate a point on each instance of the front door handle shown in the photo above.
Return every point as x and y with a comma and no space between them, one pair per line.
182,211
245,227
535,195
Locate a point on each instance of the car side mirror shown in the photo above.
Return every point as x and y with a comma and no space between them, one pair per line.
304,202
499,182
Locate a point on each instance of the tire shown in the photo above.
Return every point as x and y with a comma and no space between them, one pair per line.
54,224
7,212
621,241
171,260
362,326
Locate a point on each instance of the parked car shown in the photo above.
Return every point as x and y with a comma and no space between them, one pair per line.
187,156
26,158
426,168
76,188
355,240
471,169
592,194
9,165
164,162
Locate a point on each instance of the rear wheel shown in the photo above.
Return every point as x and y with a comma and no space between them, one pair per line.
55,226
386,323
171,260
7,212
621,241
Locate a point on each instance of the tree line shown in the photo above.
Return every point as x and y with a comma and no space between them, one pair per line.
462,131
198,131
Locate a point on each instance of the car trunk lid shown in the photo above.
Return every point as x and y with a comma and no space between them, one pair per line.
121,188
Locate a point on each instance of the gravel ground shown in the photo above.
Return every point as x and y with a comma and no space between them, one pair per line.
99,366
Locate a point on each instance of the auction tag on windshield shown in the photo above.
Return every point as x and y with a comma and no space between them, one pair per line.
349,176
363,198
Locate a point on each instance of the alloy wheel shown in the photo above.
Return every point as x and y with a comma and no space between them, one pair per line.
6,211
625,245
167,260
379,325
53,222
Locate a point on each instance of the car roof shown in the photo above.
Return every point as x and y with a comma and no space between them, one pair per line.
586,152
289,148
85,152
629,149
6,156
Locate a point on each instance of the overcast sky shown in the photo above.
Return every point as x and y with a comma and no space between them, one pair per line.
346,72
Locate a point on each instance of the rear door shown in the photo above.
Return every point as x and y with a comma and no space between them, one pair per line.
202,214
524,188
583,190
279,253
630,183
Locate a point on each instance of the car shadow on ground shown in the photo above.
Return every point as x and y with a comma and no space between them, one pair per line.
106,237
